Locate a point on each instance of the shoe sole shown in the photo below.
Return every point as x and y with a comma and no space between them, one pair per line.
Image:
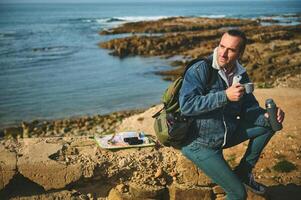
254,191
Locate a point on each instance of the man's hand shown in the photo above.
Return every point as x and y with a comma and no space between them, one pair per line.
280,115
235,92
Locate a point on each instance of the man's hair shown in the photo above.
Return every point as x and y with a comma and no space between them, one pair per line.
239,33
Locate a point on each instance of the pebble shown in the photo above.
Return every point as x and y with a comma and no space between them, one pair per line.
159,172
120,188
90,196
173,173
122,163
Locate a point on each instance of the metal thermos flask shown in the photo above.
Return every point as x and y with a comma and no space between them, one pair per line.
272,111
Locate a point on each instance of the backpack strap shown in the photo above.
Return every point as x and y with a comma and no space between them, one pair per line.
210,80
211,71
191,63
208,61
158,113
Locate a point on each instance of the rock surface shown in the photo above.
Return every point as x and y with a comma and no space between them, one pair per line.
8,165
58,159
77,168
272,56
35,163
179,192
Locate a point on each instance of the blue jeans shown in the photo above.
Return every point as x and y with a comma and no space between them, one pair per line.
213,164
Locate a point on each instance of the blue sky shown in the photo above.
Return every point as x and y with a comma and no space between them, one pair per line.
116,1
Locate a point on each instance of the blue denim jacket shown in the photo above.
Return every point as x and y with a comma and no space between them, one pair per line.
214,115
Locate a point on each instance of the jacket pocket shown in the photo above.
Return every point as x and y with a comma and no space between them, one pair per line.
212,126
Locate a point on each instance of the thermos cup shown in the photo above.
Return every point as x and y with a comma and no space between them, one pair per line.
236,79
272,111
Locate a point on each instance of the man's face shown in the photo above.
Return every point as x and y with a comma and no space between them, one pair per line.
228,51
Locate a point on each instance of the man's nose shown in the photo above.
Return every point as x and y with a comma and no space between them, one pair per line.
225,53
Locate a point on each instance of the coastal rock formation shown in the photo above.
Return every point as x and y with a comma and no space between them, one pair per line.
86,125
273,51
55,163
8,164
35,163
75,167
149,173
178,24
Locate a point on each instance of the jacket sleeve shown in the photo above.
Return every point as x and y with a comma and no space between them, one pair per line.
251,111
194,99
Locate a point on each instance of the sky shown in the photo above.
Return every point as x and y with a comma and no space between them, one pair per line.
115,1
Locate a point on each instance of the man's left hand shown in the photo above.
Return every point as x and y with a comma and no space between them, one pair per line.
280,115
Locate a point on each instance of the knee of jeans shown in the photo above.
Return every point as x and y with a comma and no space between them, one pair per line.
270,132
241,194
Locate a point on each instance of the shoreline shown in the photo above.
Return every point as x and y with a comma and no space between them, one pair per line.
34,167
85,125
272,51
195,37
59,158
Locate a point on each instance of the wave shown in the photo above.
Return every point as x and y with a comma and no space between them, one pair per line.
213,16
50,49
114,20
15,35
7,34
142,18
42,53
281,19
53,52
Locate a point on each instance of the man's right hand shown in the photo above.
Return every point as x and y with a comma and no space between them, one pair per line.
235,92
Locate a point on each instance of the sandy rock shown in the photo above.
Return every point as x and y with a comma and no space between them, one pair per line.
84,146
190,173
218,190
65,194
115,194
143,191
140,122
27,128
78,158
73,173
36,165
253,196
267,57
8,166
177,24
159,172
122,188
181,191
220,197
13,132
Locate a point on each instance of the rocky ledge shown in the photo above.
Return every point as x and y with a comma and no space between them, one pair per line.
271,57
45,166
76,126
74,167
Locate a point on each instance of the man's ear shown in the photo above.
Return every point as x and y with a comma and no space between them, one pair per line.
241,54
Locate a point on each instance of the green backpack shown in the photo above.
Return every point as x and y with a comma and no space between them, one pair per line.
170,126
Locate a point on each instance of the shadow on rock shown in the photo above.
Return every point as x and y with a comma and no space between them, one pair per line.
20,186
284,192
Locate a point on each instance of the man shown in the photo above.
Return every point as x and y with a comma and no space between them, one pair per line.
224,117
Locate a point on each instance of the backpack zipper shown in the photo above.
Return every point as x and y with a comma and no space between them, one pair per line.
225,134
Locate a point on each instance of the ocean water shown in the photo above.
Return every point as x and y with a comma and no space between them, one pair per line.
51,66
